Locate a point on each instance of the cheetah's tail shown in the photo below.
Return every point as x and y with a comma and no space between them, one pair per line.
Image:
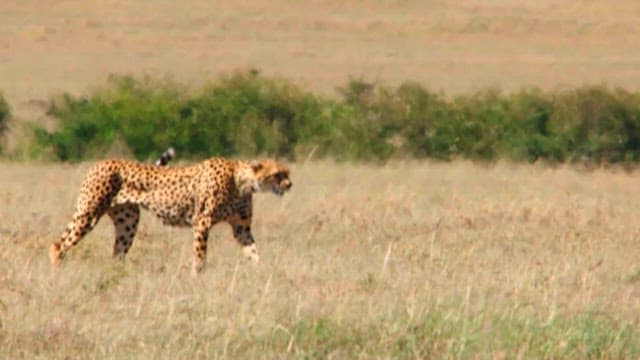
166,157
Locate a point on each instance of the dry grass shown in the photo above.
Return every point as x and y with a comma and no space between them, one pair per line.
406,260
456,46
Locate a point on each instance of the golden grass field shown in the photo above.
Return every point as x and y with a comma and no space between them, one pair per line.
407,260
403,260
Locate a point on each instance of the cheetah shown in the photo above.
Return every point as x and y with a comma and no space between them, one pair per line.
197,196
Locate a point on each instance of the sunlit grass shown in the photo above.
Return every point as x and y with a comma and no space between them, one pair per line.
409,260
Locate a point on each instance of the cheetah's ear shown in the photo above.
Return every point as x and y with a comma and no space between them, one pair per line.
256,165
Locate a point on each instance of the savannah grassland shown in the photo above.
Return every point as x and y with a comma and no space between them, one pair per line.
409,260
402,260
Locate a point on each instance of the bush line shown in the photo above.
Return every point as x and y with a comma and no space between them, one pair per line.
247,114
4,117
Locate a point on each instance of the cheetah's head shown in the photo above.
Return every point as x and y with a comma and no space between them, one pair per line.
264,176
271,176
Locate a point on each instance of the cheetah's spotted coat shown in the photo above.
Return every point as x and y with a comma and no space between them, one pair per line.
199,196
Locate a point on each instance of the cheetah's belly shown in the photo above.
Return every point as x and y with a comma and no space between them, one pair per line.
174,211
170,208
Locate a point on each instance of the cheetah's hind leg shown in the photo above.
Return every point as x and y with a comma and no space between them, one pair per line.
125,219
81,224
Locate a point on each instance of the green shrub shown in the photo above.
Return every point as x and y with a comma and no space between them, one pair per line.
600,123
430,122
241,114
144,113
529,135
4,115
480,124
247,114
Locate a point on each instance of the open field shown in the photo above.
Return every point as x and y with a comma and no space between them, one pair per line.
455,46
409,260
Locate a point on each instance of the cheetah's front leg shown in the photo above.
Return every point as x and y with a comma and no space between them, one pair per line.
242,233
125,219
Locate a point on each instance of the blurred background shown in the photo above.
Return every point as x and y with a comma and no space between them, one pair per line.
312,58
